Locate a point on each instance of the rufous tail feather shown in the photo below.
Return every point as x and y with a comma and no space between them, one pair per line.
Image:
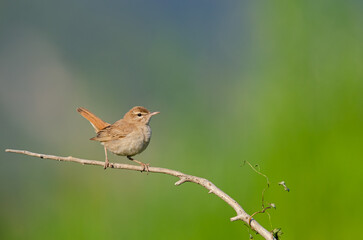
97,123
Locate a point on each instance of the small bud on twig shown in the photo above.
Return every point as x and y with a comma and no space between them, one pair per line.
282,183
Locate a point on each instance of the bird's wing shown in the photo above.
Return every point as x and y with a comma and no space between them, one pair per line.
119,129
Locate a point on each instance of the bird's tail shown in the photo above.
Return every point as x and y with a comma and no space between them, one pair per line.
97,123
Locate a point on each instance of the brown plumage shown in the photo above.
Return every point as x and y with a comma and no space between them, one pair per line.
96,122
126,137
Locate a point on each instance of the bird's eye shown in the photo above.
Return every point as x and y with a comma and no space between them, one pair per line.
139,114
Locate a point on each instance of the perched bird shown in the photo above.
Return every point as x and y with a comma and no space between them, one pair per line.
126,137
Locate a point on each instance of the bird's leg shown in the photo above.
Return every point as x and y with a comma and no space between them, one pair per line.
144,165
106,161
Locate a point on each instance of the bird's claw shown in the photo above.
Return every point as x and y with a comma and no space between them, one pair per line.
145,167
106,165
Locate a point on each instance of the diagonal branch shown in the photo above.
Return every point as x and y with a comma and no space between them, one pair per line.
241,214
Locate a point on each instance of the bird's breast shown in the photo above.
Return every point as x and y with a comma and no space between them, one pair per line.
132,144
146,131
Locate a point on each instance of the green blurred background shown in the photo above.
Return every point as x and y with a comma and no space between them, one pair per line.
277,83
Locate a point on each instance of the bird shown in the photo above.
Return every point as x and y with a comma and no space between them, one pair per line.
126,137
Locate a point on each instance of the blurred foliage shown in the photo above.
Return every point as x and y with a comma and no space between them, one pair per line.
277,83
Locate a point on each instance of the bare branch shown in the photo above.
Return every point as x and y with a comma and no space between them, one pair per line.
241,214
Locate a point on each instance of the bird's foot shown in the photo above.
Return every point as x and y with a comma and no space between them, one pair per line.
107,164
145,167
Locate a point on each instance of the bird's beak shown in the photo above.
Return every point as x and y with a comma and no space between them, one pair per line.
154,113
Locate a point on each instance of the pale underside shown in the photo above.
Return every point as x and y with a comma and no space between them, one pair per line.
126,139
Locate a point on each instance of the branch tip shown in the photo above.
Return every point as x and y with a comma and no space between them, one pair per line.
181,181
238,217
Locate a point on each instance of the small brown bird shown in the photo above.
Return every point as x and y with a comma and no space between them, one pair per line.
126,137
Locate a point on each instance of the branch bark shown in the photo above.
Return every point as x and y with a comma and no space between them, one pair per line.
241,214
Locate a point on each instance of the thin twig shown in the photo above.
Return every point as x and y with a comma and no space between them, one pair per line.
254,169
272,205
268,182
241,214
262,211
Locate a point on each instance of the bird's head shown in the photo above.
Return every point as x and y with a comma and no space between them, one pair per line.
139,115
